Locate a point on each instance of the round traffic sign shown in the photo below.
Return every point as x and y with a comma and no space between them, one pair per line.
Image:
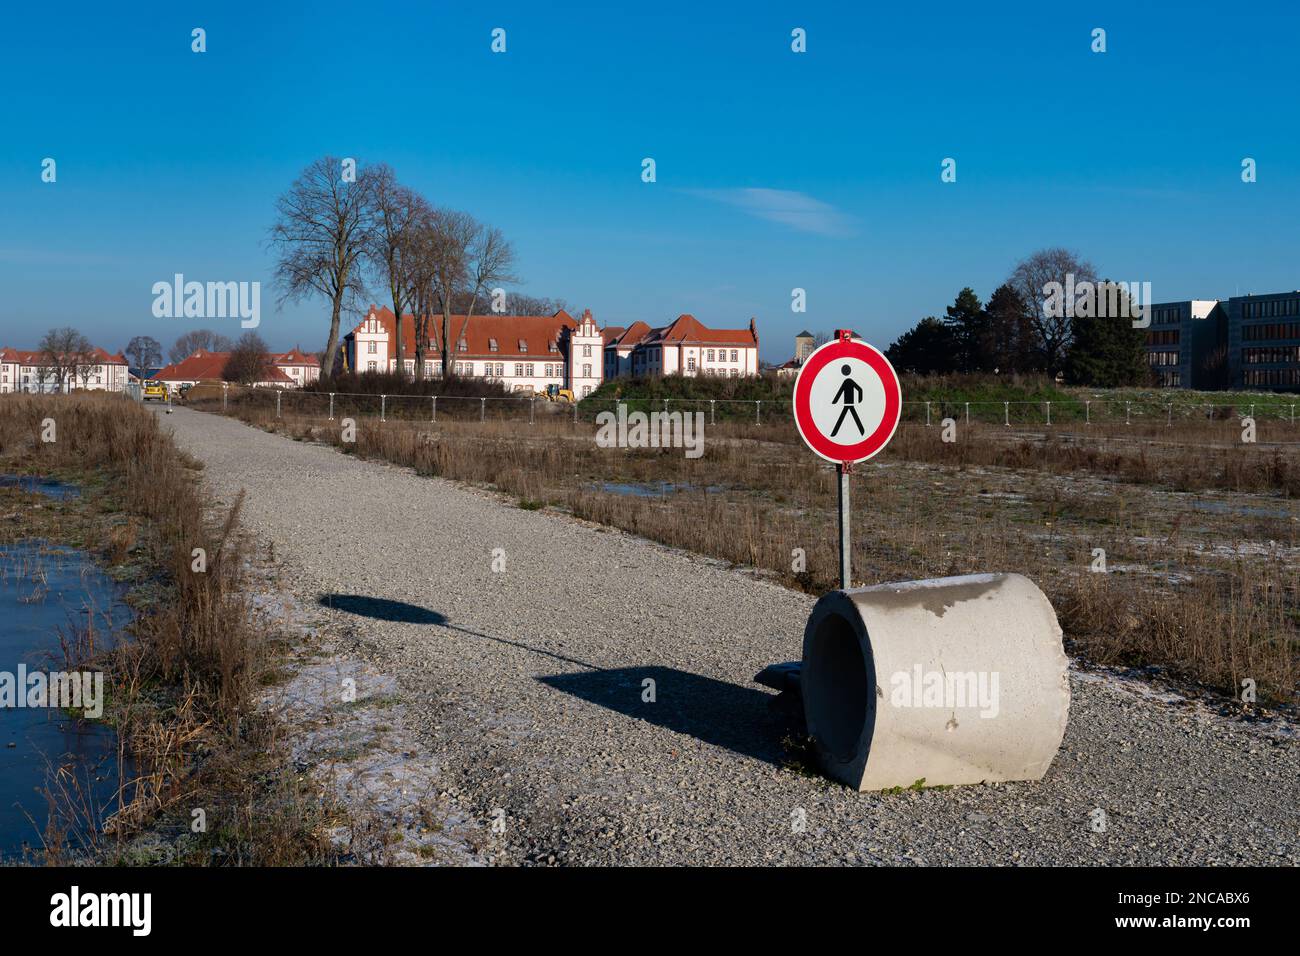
847,401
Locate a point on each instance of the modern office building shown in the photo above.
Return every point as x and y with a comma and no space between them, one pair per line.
1264,341
1185,343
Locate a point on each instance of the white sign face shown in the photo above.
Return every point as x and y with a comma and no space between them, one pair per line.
847,401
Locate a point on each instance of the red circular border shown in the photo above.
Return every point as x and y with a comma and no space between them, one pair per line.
877,440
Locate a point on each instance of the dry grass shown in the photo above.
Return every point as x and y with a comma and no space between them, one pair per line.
182,691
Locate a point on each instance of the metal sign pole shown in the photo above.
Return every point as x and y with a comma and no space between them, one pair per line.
845,561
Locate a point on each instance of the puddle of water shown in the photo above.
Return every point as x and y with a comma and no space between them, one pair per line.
650,489
45,486
45,593
1229,508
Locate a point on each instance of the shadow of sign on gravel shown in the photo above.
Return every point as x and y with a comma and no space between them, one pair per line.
725,715
382,609
739,719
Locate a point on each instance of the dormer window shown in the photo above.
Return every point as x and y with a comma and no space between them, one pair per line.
554,346
523,346
492,345
462,346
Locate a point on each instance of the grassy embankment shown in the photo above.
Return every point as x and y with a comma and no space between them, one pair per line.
1205,576
181,689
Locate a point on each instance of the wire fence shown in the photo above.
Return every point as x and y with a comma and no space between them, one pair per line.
331,406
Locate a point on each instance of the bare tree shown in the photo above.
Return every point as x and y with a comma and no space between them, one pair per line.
143,352
1031,279
249,361
422,259
456,232
396,210
490,260
324,225
517,303
65,353
189,343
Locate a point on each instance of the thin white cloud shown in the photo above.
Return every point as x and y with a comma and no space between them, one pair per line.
794,209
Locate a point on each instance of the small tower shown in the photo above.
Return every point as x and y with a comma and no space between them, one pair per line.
803,346
586,356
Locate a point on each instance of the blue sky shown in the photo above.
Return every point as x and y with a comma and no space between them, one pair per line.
775,170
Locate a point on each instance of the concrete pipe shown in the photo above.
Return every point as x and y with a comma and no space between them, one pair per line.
950,681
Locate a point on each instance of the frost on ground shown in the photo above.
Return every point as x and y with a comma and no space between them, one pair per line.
345,723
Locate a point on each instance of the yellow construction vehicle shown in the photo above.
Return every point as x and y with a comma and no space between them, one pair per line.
554,393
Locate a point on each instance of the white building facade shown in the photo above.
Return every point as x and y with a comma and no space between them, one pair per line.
28,371
525,353
685,347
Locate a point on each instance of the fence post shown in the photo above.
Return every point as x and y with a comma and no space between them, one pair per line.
968,413
1087,413
433,408
1252,409
278,393
1127,408
383,407
482,409
1049,413
532,403
1006,414
1292,414
575,414
712,402
1169,423
225,392
927,414
665,406
758,412
331,406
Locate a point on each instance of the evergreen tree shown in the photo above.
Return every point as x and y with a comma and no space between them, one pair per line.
1009,332
966,324
1105,350
926,348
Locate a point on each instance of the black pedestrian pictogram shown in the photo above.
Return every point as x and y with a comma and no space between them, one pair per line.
851,393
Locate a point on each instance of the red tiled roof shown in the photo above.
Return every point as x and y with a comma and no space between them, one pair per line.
611,332
686,329
33,357
295,357
204,366
536,331
634,334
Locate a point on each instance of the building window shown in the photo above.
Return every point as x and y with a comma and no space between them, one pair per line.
553,346
371,348
586,351
370,366
519,370
523,346
734,355
708,356
492,345
462,345
586,371
690,364
529,369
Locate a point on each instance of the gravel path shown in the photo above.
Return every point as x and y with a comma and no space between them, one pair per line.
525,687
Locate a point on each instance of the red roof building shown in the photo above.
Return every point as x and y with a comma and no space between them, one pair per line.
33,371
684,347
526,353
205,366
